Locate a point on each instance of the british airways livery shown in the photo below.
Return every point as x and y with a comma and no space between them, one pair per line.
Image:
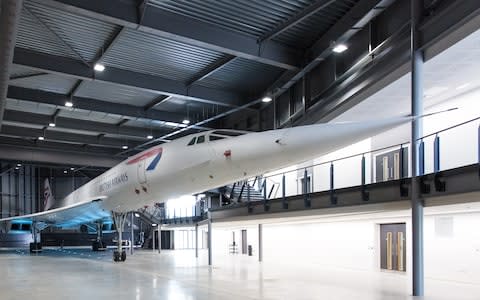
193,164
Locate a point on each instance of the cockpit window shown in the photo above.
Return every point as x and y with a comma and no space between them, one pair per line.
192,141
216,138
200,139
228,133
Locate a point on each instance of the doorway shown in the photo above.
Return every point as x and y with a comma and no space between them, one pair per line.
393,252
391,165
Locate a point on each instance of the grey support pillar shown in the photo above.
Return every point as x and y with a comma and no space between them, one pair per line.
131,233
209,240
196,240
159,238
260,242
417,110
153,238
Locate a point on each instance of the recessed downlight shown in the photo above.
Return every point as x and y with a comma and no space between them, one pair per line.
267,99
99,67
68,104
340,48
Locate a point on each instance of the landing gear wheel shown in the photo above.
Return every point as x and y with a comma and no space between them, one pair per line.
98,246
95,246
116,255
124,256
35,247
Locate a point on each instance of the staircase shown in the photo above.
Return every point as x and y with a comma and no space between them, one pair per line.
250,190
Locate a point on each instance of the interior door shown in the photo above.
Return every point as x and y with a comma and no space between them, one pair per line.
393,247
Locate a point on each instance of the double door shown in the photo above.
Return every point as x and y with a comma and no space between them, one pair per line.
393,247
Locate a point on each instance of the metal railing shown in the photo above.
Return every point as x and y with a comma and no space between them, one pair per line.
381,164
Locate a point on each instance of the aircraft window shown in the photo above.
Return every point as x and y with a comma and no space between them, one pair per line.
229,133
15,226
200,139
25,227
216,137
192,141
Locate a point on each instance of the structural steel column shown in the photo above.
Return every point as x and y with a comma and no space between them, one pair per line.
260,242
153,239
196,240
417,110
131,237
159,238
10,11
209,240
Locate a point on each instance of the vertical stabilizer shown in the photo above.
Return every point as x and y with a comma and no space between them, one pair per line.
48,199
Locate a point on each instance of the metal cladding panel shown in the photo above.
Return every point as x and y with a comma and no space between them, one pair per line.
115,93
43,28
81,114
243,76
244,16
30,107
17,70
47,82
147,53
305,33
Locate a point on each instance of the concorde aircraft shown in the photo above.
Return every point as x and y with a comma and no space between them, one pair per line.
193,164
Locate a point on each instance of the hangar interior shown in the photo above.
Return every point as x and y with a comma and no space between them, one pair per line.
86,85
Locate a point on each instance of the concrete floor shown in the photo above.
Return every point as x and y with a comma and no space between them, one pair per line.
82,274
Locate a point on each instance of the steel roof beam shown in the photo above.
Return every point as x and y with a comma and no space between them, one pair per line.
43,97
74,68
13,116
209,70
184,29
351,23
63,137
18,150
303,15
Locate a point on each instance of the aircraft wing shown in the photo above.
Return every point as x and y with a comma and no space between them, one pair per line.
78,213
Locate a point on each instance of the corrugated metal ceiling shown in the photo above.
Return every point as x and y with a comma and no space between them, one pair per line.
115,93
148,53
30,107
241,75
257,18
42,28
46,82
244,16
17,70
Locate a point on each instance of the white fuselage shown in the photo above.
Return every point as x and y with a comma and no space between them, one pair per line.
173,169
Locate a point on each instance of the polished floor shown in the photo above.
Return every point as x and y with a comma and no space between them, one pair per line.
82,274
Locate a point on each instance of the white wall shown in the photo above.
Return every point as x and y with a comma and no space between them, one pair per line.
452,247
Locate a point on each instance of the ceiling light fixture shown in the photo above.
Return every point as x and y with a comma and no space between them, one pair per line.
72,168
51,124
340,48
153,225
64,171
124,147
149,137
19,165
137,215
99,67
68,104
16,168
267,99
186,121
41,138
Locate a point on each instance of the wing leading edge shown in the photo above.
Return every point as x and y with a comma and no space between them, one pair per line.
78,213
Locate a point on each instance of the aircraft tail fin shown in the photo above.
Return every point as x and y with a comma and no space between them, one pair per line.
48,200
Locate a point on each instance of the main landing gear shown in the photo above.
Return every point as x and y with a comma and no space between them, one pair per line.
119,218
98,244
36,246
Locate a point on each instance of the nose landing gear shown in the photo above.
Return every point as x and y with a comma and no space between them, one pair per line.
119,218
